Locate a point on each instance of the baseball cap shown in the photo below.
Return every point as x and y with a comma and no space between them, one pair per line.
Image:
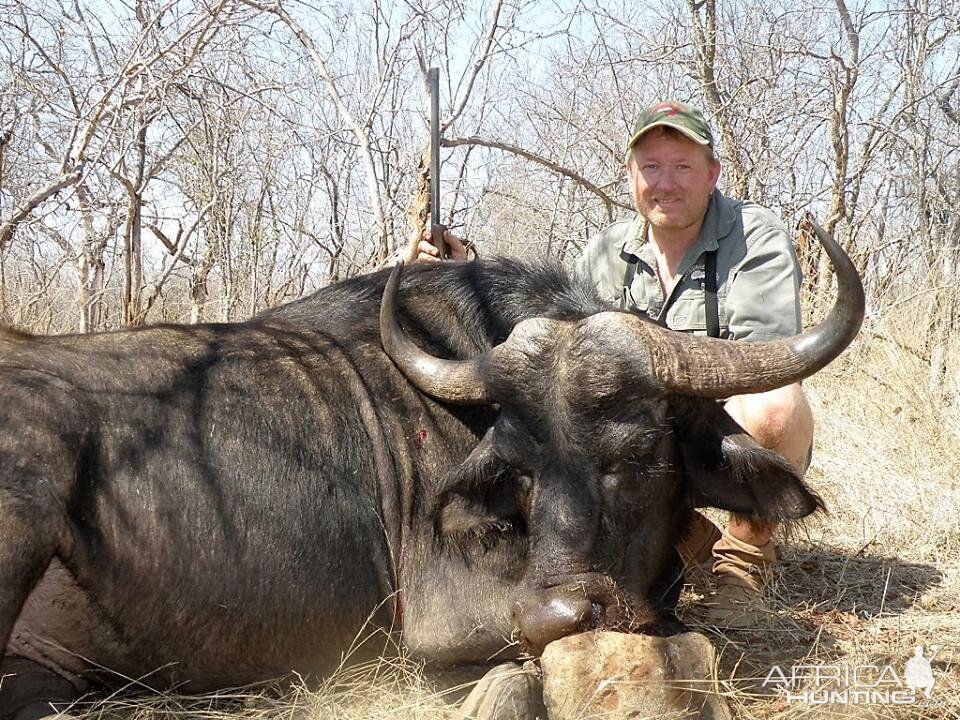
678,115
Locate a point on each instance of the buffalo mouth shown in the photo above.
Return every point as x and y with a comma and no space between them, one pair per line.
665,360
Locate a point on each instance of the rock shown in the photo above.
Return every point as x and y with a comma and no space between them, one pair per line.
617,675
507,692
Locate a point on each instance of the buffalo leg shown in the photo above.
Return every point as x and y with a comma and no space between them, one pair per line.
25,554
29,691
26,548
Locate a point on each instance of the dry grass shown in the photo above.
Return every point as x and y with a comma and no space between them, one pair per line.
880,573
388,688
862,585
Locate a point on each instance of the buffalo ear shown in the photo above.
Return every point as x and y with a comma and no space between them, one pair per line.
474,493
727,469
481,467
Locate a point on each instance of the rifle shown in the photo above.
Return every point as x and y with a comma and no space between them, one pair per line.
436,228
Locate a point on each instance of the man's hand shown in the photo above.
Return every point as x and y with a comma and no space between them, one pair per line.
427,251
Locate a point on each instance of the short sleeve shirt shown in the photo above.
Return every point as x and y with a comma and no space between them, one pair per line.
758,276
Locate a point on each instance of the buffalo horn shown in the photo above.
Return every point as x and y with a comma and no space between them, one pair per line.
711,368
455,381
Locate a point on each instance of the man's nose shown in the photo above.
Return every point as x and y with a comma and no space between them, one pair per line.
666,179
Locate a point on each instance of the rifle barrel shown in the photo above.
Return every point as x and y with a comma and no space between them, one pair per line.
436,229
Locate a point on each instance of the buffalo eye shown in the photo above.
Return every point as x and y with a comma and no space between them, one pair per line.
610,482
524,485
614,474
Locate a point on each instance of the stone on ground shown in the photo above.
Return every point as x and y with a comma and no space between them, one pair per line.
618,675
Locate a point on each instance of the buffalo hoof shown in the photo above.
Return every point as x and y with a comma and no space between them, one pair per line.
507,692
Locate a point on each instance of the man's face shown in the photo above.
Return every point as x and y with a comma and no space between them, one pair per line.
671,179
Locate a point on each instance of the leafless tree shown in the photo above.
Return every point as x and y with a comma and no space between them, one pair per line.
205,161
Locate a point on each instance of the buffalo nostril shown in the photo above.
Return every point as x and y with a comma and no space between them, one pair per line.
557,616
597,614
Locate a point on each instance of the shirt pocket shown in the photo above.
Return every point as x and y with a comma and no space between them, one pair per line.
638,303
638,295
689,313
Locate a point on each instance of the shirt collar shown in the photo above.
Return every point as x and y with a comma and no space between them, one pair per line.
718,222
636,237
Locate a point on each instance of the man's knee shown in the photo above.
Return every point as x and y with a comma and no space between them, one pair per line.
772,414
780,420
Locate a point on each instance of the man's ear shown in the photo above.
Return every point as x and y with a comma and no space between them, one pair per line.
727,469
715,170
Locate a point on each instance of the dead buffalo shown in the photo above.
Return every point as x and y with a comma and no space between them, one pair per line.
221,504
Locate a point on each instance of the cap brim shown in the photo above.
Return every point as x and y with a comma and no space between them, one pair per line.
698,139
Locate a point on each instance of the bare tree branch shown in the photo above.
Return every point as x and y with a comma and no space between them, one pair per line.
34,201
477,66
608,202
359,132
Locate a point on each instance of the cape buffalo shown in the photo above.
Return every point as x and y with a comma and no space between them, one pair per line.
221,504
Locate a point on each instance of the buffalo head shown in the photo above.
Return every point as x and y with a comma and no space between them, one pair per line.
566,514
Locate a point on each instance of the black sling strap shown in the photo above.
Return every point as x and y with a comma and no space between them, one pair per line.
631,260
710,304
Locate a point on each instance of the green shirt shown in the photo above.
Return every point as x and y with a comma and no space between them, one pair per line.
758,277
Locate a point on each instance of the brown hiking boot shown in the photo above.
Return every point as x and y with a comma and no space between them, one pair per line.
696,547
742,571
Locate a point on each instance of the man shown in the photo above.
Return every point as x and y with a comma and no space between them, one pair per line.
696,261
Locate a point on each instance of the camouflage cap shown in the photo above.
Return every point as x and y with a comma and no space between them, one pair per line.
677,115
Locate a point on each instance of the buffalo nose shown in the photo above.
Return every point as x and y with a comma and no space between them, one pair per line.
555,615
